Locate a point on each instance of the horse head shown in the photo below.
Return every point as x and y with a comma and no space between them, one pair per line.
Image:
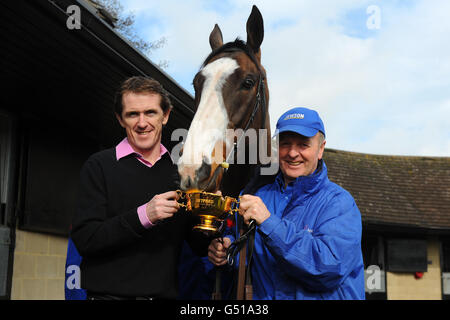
231,93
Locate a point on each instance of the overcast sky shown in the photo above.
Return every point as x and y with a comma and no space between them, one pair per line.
378,71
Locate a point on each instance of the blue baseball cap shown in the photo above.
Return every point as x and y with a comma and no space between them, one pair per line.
303,121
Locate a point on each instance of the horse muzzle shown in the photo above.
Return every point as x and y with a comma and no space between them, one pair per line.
207,177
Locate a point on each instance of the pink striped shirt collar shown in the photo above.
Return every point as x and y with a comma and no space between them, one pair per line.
124,149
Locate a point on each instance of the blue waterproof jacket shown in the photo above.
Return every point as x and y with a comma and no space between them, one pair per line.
310,246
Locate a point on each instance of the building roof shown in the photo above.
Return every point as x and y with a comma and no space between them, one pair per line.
75,72
404,191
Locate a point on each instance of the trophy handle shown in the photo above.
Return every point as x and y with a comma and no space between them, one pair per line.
235,210
182,196
235,206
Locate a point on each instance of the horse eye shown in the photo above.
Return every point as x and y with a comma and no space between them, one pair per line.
248,83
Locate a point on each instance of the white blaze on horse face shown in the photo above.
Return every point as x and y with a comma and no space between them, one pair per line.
211,119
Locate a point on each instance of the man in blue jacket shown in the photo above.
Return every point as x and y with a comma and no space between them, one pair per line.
308,234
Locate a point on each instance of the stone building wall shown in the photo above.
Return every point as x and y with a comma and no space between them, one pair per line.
39,266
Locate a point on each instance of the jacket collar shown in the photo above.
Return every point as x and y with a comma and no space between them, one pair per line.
302,185
308,185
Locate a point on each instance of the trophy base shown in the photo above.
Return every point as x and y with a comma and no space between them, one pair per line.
208,224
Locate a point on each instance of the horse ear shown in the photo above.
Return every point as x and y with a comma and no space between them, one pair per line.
255,30
215,38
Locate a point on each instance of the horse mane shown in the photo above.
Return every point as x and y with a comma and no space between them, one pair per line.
234,46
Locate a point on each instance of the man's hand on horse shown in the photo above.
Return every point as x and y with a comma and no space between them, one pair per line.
253,208
217,251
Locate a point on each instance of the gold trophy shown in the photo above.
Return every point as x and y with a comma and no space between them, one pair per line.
211,209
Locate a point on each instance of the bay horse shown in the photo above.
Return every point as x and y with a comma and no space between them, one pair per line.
231,92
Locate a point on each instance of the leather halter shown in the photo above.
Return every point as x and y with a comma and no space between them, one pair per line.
260,100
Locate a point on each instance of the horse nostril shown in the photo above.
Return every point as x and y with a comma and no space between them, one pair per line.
186,184
204,171
189,183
